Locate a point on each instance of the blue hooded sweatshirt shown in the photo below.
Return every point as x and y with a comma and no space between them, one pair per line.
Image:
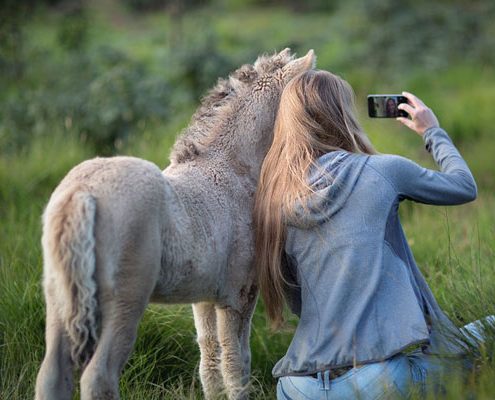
355,285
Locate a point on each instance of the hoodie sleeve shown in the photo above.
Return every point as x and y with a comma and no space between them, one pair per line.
453,184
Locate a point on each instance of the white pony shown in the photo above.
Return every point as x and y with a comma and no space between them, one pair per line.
119,233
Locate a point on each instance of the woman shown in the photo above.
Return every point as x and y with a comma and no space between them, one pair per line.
390,108
329,242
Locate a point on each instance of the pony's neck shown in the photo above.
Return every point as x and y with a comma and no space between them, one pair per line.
242,142
229,133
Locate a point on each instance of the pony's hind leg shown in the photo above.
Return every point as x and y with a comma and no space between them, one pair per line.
121,303
55,377
120,319
205,322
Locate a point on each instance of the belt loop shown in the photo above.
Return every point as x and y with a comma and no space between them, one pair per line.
321,384
326,379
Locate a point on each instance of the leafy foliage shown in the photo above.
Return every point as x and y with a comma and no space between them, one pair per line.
73,30
177,6
198,63
101,98
422,34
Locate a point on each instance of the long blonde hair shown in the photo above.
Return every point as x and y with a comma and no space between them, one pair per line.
315,116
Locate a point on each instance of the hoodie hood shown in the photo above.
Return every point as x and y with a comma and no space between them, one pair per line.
332,179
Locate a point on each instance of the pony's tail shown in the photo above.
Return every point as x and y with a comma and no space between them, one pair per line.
69,257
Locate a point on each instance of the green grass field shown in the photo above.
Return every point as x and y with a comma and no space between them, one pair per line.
454,246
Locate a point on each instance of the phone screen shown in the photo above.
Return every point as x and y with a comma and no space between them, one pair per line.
385,105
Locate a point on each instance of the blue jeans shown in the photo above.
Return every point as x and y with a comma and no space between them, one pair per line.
398,377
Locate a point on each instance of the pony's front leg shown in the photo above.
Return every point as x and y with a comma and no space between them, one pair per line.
205,322
230,334
55,378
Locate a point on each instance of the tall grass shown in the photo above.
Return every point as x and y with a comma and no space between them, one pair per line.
452,245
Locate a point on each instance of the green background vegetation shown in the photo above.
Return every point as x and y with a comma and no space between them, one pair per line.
80,79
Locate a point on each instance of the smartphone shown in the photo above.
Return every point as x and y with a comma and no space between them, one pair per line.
385,105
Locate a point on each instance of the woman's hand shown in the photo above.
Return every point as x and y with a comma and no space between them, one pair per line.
422,118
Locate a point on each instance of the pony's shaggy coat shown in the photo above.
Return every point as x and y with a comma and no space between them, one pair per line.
119,233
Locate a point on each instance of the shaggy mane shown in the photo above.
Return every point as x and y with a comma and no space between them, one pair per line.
216,105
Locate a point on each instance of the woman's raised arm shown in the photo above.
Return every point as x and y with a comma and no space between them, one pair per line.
453,184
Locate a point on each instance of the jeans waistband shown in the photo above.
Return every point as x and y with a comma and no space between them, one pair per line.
333,373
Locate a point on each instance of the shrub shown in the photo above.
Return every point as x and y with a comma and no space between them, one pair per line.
421,33
198,62
101,98
73,30
177,6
